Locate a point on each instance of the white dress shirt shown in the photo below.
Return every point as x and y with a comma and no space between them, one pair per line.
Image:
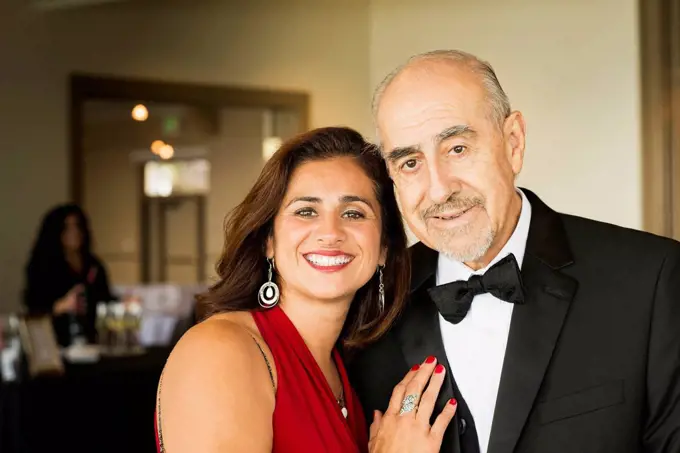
475,347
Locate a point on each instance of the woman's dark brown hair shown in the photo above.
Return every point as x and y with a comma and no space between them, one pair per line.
242,268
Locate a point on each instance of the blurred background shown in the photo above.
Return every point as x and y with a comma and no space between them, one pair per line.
155,117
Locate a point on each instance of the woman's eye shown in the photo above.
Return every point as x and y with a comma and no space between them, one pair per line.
305,212
354,215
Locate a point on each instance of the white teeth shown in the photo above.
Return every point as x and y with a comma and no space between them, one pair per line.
323,260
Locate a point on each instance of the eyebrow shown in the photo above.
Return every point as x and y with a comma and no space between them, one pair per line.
344,199
453,131
401,152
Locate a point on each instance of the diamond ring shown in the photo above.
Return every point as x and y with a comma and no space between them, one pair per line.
409,404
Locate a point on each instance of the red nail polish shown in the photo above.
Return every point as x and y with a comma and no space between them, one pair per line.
453,402
429,359
415,367
439,369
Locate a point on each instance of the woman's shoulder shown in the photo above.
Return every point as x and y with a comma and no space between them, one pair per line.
96,261
212,374
227,336
221,344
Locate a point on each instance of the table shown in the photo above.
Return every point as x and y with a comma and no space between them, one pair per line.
106,406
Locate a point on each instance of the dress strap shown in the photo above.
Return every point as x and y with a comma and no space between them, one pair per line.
159,434
266,360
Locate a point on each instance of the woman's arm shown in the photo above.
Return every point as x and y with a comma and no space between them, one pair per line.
216,393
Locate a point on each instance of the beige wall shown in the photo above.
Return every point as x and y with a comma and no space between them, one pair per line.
570,66
275,44
236,160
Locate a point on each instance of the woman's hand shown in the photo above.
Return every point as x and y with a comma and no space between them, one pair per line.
405,427
68,303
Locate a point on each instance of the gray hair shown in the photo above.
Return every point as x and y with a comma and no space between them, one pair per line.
498,101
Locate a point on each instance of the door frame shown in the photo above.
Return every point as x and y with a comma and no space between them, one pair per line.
85,87
201,244
212,98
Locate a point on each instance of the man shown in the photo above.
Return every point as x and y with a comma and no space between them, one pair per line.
559,334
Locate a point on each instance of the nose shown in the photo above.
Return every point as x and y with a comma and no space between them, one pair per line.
442,183
330,231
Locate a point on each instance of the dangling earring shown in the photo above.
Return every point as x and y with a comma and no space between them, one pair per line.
269,291
381,289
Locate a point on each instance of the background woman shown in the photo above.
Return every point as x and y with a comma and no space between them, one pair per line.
63,277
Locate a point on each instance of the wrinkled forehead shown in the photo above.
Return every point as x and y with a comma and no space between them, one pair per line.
418,105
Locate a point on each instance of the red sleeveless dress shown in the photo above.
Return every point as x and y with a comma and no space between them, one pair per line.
307,417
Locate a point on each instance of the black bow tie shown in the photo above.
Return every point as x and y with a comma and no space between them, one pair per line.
503,280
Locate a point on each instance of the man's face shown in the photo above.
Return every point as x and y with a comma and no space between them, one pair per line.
453,166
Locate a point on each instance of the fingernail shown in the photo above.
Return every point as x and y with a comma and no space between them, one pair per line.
453,402
415,367
429,359
439,369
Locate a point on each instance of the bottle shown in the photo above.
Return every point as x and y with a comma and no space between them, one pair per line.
76,330
101,326
10,349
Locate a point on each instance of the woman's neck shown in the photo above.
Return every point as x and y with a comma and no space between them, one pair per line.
74,259
319,324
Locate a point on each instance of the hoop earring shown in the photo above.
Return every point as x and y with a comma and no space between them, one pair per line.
269,291
381,289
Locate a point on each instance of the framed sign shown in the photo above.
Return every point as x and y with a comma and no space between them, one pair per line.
40,344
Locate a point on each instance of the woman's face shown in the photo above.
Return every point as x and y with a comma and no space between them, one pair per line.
72,236
327,233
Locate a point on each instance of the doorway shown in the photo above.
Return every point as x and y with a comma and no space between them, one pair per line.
174,231
157,166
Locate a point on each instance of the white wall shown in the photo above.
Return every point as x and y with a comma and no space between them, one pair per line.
319,47
570,66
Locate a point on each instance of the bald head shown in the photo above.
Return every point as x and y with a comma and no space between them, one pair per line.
484,75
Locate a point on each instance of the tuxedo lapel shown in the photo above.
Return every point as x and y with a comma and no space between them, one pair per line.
420,333
534,330
535,326
421,337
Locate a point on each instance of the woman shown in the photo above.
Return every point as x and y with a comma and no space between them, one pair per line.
315,259
63,277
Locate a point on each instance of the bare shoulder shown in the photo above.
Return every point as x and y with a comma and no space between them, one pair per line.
219,336
216,390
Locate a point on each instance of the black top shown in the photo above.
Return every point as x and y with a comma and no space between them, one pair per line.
48,282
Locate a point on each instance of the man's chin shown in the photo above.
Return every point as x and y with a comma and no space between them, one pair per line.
464,251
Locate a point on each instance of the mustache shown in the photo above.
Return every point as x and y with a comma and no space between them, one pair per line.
454,203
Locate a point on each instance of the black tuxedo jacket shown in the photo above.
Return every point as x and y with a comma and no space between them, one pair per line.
593,358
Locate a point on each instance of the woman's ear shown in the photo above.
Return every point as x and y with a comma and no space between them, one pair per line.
383,256
270,247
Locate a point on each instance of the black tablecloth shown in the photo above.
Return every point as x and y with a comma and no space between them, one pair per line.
107,406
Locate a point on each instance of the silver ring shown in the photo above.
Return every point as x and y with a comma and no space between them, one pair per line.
409,404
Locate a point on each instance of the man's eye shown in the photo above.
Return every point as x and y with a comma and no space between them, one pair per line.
458,149
409,165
